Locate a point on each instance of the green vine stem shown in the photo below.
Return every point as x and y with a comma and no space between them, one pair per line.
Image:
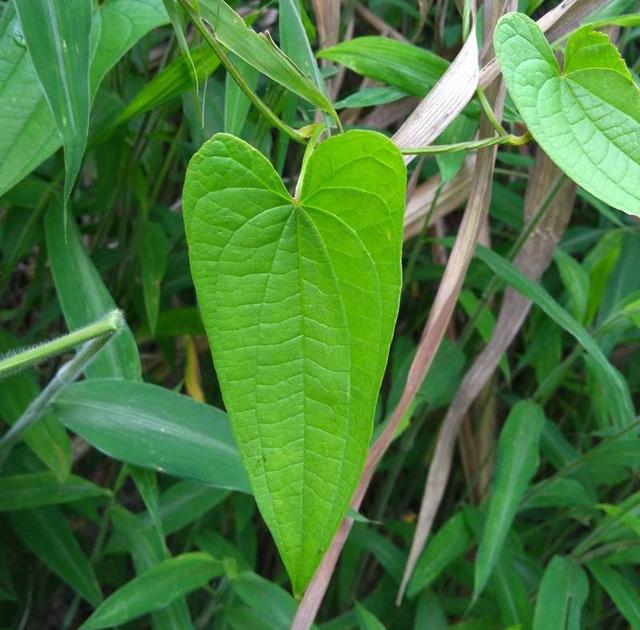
220,51
67,374
467,146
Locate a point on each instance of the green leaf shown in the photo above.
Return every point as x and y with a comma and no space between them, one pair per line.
154,253
412,69
84,297
259,51
46,533
367,620
175,79
295,43
154,427
299,298
620,589
28,133
449,543
576,281
621,404
516,462
236,102
587,116
369,97
33,490
155,589
562,594
58,37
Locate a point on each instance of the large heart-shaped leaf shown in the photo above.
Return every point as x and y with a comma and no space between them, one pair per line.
299,298
587,116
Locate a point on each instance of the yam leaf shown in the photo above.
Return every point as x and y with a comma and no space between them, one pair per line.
299,297
587,116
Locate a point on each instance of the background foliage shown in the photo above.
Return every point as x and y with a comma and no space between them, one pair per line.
131,488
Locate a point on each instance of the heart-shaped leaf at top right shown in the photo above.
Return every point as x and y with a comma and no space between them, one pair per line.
586,117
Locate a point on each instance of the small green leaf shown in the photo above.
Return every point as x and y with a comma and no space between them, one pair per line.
19,492
587,116
299,298
47,534
516,462
175,79
562,594
154,589
236,102
413,69
58,37
84,297
259,51
620,589
369,97
448,544
367,620
154,254
154,427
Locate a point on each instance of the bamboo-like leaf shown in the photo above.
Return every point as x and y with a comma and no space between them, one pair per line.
517,461
562,594
154,589
47,534
58,37
587,116
28,133
32,490
620,589
259,51
299,326
153,427
84,297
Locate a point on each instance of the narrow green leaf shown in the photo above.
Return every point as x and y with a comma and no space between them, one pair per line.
449,543
236,102
620,589
369,97
562,594
19,492
576,281
413,69
295,43
587,116
154,589
562,493
176,15
300,328
28,133
621,404
154,427
516,462
147,548
47,534
509,589
171,82
154,253
367,620
259,51
58,37
84,297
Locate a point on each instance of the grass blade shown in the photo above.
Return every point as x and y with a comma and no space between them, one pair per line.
58,37
172,578
517,461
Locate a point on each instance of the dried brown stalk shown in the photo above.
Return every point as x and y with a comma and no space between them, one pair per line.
533,259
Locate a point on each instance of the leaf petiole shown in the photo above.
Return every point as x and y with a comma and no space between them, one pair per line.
467,146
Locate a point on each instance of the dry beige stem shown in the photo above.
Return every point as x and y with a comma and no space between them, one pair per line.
533,259
327,14
378,23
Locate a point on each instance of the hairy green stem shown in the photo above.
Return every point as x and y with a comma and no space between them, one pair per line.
23,359
67,374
